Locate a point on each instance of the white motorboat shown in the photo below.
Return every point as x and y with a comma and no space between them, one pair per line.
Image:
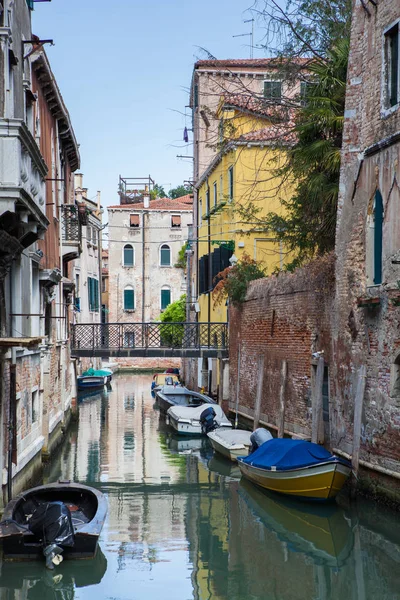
230,442
170,395
190,421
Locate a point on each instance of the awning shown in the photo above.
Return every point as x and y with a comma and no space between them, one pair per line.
135,220
176,221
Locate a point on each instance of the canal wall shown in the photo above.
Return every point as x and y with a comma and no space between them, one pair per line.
284,318
291,318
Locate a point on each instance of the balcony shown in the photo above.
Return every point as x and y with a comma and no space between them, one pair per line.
71,232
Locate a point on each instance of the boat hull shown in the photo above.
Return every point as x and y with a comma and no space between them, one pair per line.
319,482
20,544
91,382
232,451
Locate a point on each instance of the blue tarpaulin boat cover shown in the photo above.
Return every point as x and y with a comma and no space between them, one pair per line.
285,454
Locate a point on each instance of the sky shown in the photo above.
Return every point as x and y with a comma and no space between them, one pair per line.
124,70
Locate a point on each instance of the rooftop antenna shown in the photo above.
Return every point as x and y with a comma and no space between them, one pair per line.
251,35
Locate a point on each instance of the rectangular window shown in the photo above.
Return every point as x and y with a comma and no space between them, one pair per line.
134,221
129,300
392,66
200,216
165,298
93,294
196,95
221,188
176,221
273,91
215,198
230,183
208,201
305,88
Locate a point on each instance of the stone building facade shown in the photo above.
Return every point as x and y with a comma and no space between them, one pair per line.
38,154
367,312
144,242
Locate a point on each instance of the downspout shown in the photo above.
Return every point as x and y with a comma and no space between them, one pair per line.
12,420
146,206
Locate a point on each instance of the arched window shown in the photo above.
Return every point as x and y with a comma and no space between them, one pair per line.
165,297
129,255
129,298
374,241
165,256
378,237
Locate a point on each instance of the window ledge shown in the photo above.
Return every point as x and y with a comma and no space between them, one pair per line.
165,266
128,266
129,310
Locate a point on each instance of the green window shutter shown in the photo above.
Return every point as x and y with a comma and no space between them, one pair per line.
128,256
129,299
394,65
273,91
89,282
230,180
378,238
165,258
165,298
96,295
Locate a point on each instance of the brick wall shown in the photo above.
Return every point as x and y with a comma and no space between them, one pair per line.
285,317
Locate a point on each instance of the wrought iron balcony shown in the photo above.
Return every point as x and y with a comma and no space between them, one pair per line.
150,339
71,232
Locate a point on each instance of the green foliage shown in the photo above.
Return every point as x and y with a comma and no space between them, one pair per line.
181,262
172,335
313,165
180,190
157,192
234,281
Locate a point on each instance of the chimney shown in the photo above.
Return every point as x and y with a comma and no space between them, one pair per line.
98,200
146,197
78,180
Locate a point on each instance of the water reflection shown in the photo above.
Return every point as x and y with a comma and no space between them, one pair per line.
181,525
32,580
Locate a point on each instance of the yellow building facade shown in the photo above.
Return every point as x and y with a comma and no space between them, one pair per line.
236,192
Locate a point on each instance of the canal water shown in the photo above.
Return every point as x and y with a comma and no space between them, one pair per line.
181,524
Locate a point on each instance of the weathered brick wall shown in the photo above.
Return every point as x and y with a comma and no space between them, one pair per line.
363,335
284,317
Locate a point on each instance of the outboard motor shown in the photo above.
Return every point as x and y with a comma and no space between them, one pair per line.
51,523
259,437
207,420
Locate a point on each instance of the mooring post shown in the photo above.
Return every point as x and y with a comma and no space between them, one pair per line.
237,388
260,382
317,429
282,400
358,408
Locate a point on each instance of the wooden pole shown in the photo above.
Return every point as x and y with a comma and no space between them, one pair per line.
358,407
317,431
282,400
237,389
260,381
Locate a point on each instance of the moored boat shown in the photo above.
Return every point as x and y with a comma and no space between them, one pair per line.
63,518
296,468
161,379
91,382
169,395
191,421
230,442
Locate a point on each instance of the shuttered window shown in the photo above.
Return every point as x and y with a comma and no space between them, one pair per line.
203,274
230,183
273,91
128,256
165,256
134,220
93,294
129,298
176,221
165,298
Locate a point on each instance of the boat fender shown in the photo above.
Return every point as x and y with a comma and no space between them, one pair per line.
207,420
259,437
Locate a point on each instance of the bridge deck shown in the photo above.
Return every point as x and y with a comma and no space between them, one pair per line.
184,340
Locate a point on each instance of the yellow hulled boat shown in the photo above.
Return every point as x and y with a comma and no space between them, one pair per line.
296,468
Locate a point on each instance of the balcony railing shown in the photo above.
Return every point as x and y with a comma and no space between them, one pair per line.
150,339
71,228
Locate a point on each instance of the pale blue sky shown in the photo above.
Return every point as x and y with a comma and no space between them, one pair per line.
123,67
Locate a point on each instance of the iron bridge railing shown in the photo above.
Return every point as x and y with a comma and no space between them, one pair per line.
149,339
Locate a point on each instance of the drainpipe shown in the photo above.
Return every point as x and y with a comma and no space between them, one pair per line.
146,206
12,420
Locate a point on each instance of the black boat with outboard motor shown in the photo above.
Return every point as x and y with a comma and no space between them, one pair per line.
58,520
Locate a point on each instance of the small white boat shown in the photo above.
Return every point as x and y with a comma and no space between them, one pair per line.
230,442
188,421
170,395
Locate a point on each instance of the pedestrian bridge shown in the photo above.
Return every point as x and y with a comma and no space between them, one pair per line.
181,340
